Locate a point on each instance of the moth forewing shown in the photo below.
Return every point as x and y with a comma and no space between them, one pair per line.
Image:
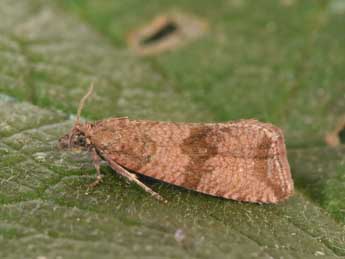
244,160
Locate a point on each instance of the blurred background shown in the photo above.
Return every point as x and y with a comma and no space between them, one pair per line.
279,61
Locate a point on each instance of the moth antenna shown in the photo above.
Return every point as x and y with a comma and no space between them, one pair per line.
82,102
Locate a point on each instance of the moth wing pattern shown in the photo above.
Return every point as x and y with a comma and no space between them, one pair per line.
244,160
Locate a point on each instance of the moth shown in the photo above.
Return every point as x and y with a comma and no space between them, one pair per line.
243,160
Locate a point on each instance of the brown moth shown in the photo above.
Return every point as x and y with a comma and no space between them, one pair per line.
243,160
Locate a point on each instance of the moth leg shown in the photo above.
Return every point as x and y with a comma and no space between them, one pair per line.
97,164
133,178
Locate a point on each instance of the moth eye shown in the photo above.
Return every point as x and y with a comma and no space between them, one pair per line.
81,141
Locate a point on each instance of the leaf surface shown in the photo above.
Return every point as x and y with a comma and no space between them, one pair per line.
279,61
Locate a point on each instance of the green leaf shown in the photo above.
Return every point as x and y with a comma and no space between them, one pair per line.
280,61
47,210
50,58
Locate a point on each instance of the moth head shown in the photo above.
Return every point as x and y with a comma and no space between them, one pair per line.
76,138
